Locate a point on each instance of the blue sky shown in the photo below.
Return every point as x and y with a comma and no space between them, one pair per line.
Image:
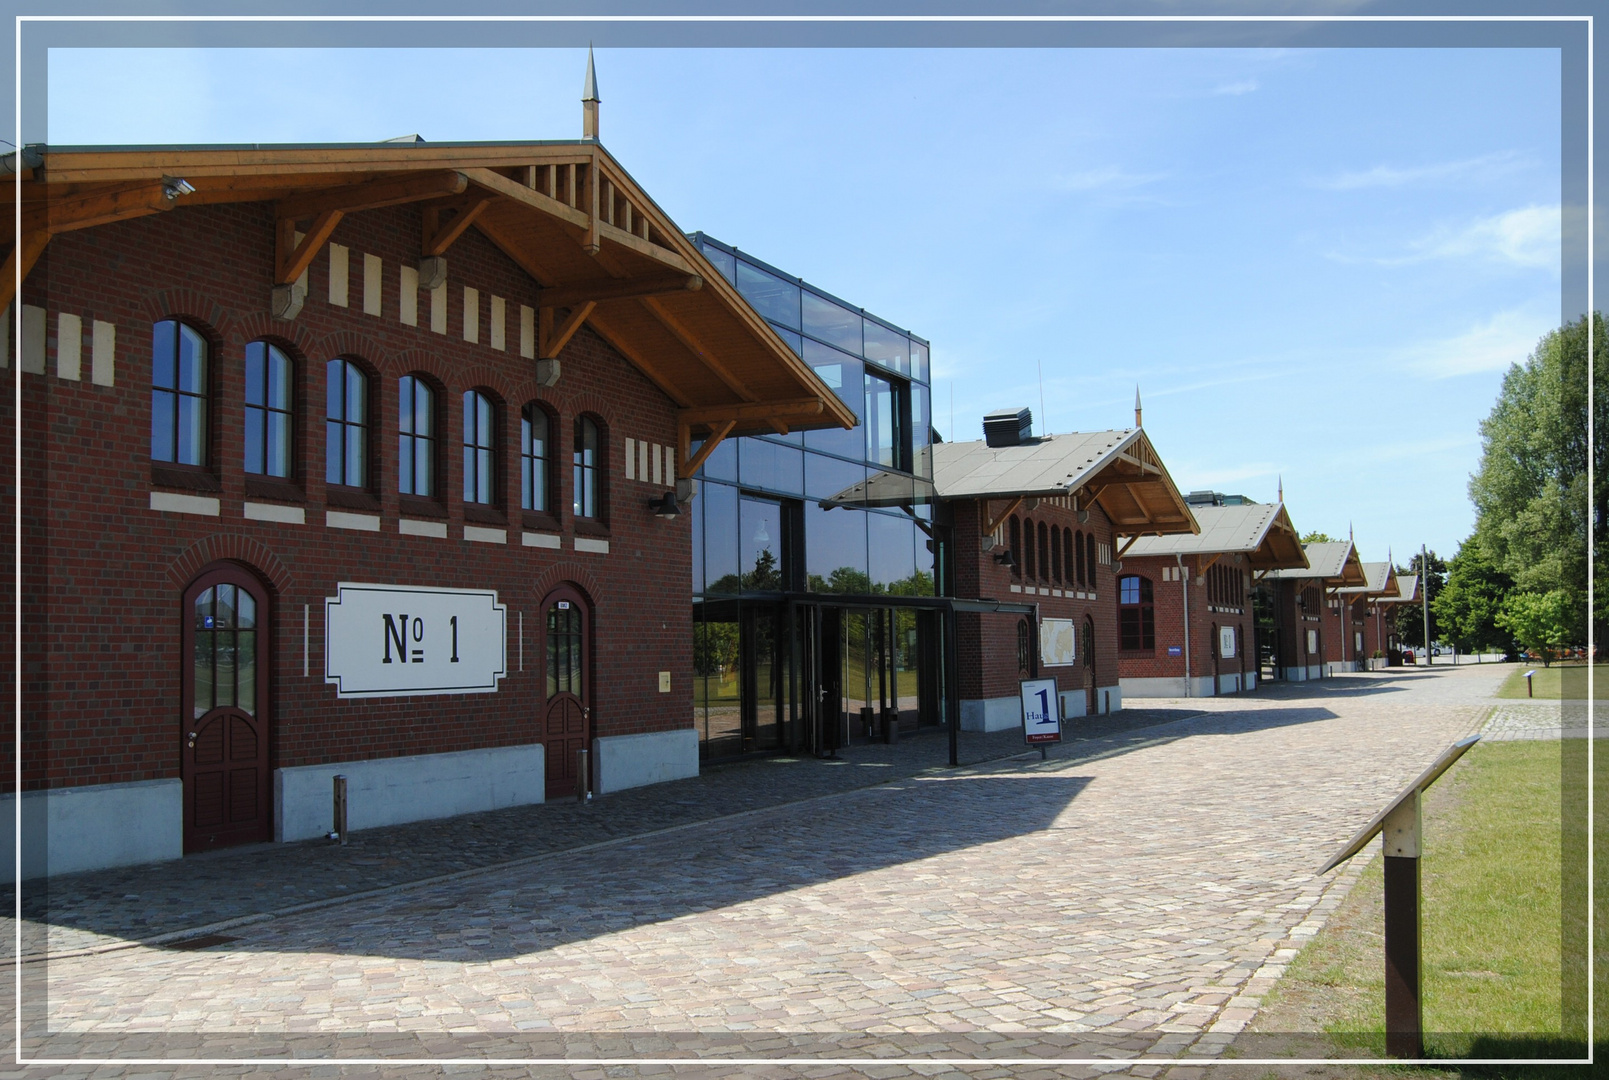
1314,263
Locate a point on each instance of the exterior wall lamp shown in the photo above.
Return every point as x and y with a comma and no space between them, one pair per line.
1004,559
665,506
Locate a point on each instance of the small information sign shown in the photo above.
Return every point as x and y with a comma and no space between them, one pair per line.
1041,715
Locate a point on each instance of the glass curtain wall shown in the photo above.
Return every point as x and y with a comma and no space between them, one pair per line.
761,530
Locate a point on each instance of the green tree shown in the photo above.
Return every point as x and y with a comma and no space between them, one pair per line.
1411,617
714,647
1531,496
1316,537
1469,602
1539,621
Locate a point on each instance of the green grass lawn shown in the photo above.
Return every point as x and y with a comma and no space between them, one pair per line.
1495,950
1560,680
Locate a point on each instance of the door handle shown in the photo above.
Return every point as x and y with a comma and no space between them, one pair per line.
192,740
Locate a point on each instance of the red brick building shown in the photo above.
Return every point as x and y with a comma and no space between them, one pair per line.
1355,607
1042,522
1298,600
1380,627
358,459
1197,590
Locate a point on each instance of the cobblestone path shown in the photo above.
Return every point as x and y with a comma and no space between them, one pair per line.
1135,895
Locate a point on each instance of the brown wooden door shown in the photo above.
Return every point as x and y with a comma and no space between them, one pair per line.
567,717
228,792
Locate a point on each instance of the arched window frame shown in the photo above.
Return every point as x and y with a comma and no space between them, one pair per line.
348,424
479,445
588,495
1089,559
1078,548
1136,614
538,492
1044,556
181,395
1055,555
1030,569
418,405
270,411
1014,534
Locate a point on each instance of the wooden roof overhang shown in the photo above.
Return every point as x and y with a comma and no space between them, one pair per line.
600,250
1376,587
1139,497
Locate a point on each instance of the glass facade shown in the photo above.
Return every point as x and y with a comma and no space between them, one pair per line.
794,591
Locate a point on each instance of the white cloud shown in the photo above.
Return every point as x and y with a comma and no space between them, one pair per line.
1483,167
1506,338
1529,237
1244,86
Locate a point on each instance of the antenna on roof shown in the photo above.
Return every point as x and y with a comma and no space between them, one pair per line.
589,101
1039,361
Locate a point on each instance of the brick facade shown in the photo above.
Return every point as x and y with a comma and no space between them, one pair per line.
105,572
1209,672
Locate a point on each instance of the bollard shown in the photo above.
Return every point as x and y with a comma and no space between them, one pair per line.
890,726
340,810
1528,675
583,777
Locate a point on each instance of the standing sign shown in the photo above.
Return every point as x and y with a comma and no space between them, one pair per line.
1041,719
402,640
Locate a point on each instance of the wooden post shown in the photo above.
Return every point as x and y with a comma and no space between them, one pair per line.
1404,1015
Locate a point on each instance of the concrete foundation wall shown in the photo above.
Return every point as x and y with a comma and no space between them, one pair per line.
93,828
991,714
628,761
390,791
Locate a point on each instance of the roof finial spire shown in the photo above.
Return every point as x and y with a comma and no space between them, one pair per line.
589,101
1282,489
1136,404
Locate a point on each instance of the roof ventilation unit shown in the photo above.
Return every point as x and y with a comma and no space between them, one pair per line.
1204,498
1008,427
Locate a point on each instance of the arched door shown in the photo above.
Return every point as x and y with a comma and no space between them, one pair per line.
228,793
1091,707
566,721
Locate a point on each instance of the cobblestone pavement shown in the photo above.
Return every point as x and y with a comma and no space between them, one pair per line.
1133,896
1540,720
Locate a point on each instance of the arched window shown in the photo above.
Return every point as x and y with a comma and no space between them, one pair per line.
1024,643
1015,535
1029,571
268,410
1089,560
1044,552
346,424
1136,615
416,437
1067,555
534,458
586,460
1078,548
179,394
480,448
1055,554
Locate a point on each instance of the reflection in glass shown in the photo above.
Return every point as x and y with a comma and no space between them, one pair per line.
772,297
268,410
478,448
889,348
346,417
416,437
721,565
717,693
843,373
760,539
564,648
696,511
892,561
832,323
722,462
764,464
795,342
224,657
835,550
721,260
882,423
918,361
178,394
586,469
826,477
533,458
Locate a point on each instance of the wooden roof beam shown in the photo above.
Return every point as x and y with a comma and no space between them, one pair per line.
90,208
437,238
691,464
1011,508
516,192
371,196
1124,550
291,258
711,415
32,246
642,364
626,289
696,347
552,339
